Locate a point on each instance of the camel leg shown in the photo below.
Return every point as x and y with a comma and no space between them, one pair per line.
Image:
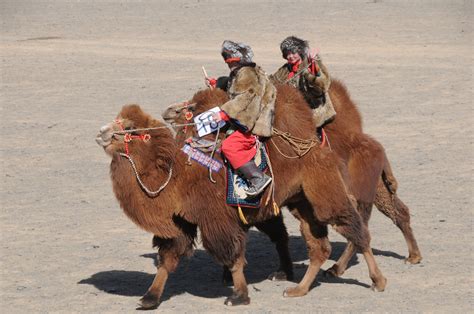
240,294
391,206
169,251
226,276
356,232
169,260
333,205
336,270
318,245
340,266
275,229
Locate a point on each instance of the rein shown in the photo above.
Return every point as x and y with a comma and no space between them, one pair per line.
149,192
122,132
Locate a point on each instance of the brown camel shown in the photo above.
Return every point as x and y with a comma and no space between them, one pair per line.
371,178
187,200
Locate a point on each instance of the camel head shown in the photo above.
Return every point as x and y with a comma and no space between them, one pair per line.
174,112
118,136
203,100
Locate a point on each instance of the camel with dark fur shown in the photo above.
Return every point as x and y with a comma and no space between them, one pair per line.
370,176
312,187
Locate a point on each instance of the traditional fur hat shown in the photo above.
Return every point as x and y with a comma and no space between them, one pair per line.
294,44
232,50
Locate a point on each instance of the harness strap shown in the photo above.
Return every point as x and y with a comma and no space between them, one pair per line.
148,191
127,138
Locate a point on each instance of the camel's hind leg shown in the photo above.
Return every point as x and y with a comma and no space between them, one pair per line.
275,229
319,248
332,205
170,251
353,229
391,206
340,266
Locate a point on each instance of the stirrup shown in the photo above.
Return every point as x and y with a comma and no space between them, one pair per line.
254,191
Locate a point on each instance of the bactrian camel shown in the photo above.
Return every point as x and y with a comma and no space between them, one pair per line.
312,187
370,174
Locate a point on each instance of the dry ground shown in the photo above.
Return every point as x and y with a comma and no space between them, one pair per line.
68,67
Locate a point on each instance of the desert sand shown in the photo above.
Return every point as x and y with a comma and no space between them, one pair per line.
69,66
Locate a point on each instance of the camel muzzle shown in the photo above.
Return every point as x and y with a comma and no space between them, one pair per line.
104,137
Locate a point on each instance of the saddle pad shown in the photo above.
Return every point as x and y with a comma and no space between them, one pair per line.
236,185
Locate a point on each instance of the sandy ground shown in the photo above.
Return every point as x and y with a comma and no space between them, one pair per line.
68,67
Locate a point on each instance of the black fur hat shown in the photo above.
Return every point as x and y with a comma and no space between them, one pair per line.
232,49
294,44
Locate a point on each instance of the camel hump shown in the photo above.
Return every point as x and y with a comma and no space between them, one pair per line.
348,116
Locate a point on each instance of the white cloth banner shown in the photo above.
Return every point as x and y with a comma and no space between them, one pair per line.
205,124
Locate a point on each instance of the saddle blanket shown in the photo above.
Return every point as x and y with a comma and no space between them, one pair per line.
202,158
236,185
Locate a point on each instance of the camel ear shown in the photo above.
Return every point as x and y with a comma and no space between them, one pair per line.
169,114
192,106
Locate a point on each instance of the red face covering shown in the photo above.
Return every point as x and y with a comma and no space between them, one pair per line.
294,68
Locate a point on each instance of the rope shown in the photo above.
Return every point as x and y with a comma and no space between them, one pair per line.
158,127
300,146
212,155
150,193
276,209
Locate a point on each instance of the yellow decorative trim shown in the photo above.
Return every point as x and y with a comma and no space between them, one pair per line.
241,215
276,209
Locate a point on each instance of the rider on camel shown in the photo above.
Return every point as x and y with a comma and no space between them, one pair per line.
307,73
249,111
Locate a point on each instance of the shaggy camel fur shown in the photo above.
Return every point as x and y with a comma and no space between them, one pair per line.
371,178
191,201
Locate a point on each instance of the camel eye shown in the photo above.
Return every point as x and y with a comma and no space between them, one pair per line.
128,128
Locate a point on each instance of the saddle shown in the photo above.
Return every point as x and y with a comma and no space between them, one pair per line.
202,150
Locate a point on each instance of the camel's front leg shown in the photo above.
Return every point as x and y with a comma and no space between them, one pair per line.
340,266
336,270
240,294
275,229
169,260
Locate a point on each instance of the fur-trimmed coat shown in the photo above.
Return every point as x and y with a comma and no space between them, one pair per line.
303,75
314,88
252,100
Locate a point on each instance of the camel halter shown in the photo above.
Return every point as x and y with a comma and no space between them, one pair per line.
127,138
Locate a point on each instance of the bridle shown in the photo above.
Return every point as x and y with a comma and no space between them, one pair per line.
127,138
188,114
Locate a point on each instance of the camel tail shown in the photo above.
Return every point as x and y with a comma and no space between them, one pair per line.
388,178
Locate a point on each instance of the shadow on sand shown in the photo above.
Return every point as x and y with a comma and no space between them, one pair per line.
201,276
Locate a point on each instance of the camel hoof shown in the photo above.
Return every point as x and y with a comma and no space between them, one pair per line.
278,276
148,302
380,285
416,259
294,292
333,272
234,300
